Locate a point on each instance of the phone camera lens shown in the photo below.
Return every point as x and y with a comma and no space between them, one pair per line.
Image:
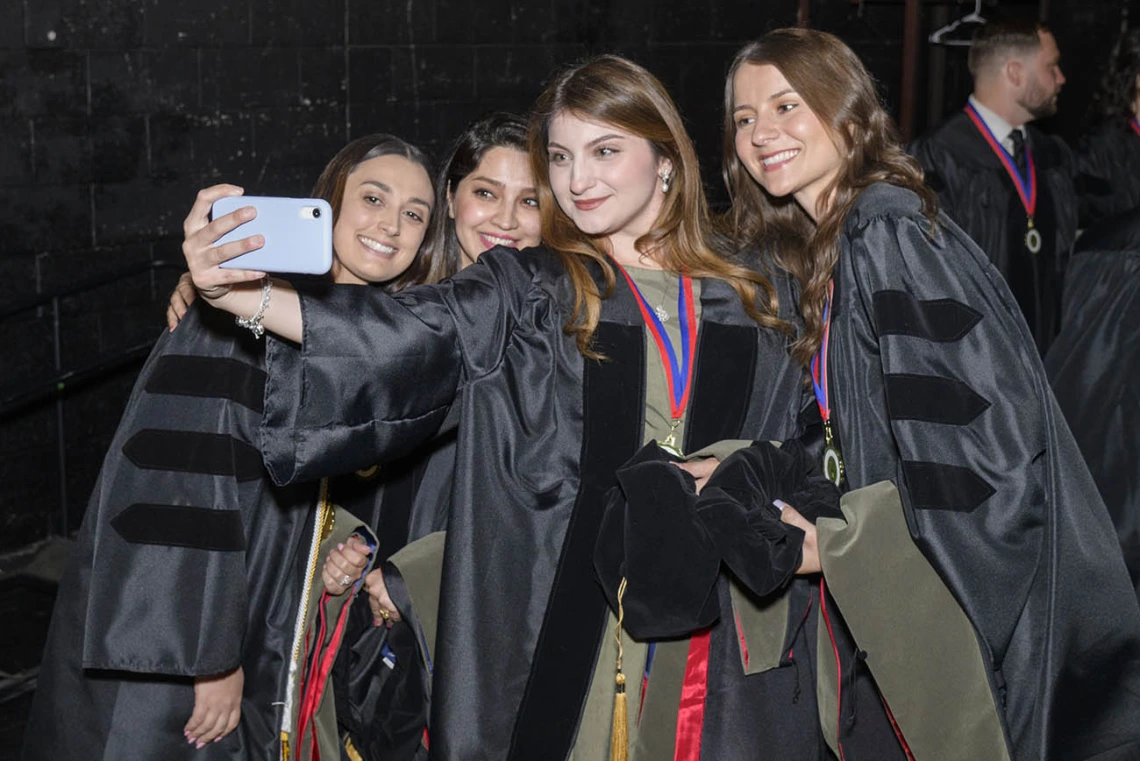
316,213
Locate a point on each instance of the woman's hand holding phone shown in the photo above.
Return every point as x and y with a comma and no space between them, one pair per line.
203,257
235,290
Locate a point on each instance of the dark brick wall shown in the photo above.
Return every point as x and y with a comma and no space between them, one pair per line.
114,112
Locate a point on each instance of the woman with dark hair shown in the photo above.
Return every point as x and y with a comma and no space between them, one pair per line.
490,194
558,364
184,606
975,594
1110,153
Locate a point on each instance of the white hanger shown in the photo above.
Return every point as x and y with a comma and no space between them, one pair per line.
975,17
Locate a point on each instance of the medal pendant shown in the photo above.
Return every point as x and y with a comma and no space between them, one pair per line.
661,313
832,465
670,442
833,469
1032,238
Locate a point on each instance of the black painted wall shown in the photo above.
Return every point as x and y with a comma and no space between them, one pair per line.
114,112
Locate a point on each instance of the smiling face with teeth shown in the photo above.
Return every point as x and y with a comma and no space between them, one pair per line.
496,204
382,221
779,140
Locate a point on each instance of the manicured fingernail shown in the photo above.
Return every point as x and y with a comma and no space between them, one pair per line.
189,740
199,746
217,739
340,546
780,504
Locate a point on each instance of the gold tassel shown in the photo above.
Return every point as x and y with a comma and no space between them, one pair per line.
619,737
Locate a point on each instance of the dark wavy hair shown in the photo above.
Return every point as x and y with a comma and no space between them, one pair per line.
613,90
838,89
495,130
330,187
1114,101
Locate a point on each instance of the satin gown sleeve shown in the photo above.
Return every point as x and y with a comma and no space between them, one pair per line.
376,374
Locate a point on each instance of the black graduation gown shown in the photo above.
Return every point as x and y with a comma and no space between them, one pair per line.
189,562
978,194
938,389
1109,182
541,433
1093,367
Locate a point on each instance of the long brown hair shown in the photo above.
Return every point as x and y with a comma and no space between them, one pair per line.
330,186
837,88
616,91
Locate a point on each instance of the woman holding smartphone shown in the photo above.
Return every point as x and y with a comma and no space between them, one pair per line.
975,601
556,364
179,612
382,690
487,188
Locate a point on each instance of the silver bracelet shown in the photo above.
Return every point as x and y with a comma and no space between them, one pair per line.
253,322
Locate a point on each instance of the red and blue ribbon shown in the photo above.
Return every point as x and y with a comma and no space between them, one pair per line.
1135,124
678,373
1026,186
819,361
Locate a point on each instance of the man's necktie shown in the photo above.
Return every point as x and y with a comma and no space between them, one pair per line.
1018,150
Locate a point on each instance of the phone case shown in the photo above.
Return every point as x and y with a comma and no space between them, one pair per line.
298,234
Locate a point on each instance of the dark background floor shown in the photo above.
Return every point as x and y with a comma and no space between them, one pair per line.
25,608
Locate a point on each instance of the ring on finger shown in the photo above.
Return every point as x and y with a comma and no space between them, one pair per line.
384,614
345,580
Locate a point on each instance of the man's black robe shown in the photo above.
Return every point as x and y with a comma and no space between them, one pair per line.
541,433
1109,180
978,194
189,562
938,389
1094,364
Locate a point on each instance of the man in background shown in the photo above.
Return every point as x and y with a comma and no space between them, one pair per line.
1006,183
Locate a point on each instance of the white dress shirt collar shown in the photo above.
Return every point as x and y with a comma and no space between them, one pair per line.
999,126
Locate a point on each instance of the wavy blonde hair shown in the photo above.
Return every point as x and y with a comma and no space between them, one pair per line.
838,89
618,92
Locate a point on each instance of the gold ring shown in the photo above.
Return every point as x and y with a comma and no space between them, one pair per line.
384,614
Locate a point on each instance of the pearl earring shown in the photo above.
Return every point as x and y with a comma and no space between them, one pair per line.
666,177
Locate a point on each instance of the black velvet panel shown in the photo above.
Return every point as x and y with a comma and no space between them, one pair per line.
932,399
650,536
933,486
576,614
199,528
211,377
720,398
215,454
939,320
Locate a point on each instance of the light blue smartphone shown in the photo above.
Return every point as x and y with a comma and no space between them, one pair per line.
298,234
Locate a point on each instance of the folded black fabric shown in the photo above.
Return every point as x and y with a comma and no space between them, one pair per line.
668,543
736,510
650,536
379,682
